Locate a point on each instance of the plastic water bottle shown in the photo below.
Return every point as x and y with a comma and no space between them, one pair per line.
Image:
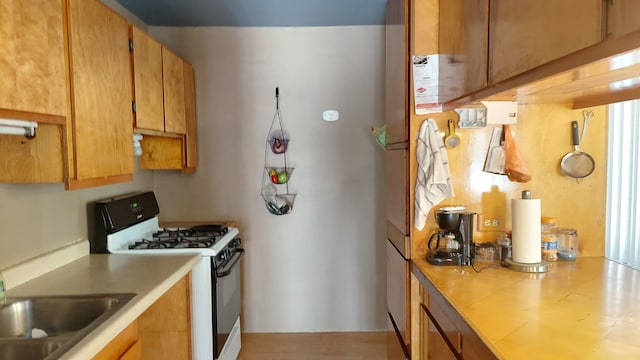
549,239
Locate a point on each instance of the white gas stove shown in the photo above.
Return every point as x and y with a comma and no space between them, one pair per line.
128,224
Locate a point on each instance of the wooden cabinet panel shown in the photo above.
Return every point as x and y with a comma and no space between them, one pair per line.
395,349
121,345
147,79
398,291
174,100
165,328
524,34
437,347
191,148
447,320
161,153
397,188
397,71
101,93
133,353
463,43
473,348
32,57
622,17
443,332
37,160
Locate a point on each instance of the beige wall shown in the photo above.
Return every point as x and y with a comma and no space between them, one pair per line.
35,219
322,267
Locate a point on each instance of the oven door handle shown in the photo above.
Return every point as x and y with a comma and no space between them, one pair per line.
226,270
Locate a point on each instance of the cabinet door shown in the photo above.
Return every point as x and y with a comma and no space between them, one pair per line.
395,348
174,105
397,189
397,75
165,327
398,292
463,42
38,160
191,149
32,58
124,344
524,34
147,79
101,92
437,347
622,17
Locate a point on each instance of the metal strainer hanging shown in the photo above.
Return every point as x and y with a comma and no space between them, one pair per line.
577,164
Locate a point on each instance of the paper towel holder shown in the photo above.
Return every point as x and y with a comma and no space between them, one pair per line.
537,267
541,267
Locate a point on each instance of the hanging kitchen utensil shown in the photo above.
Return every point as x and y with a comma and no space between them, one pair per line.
587,114
514,165
452,140
494,163
277,170
577,164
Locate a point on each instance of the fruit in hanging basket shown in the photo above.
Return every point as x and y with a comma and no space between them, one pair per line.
278,145
273,172
282,177
279,178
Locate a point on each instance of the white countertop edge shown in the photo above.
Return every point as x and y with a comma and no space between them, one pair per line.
32,268
100,337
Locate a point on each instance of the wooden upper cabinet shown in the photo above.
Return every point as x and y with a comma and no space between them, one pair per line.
174,99
524,34
159,86
32,57
622,17
101,89
463,43
396,74
165,112
147,79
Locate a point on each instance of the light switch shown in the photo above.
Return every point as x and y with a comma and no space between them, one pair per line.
330,115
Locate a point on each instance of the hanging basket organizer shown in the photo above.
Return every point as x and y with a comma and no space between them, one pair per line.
277,171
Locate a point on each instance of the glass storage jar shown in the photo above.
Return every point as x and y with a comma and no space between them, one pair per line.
567,243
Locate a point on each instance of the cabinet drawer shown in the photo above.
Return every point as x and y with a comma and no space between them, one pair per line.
436,346
447,321
473,348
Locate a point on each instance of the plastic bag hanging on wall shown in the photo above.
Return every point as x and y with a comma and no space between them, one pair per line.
277,170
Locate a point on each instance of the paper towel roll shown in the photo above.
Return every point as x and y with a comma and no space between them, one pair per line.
525,218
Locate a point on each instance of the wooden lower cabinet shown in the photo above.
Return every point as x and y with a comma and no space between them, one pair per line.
441,331
395,344
165,328
124,346
436,346
162,332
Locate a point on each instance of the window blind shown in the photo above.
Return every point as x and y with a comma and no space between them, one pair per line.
623,199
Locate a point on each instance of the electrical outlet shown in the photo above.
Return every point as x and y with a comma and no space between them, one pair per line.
490,223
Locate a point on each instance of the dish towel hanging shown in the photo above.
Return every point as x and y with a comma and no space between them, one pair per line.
433,183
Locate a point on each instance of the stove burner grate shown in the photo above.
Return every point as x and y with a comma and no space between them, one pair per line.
197,237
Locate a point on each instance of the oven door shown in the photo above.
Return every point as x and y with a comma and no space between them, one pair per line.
227,300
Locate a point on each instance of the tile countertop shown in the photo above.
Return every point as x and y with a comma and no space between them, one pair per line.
587,309
147,276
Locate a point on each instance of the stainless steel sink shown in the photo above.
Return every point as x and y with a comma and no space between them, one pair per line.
46,327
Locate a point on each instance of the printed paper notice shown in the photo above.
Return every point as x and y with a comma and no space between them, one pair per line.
425,84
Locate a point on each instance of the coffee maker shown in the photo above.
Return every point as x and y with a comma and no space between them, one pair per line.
452,244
